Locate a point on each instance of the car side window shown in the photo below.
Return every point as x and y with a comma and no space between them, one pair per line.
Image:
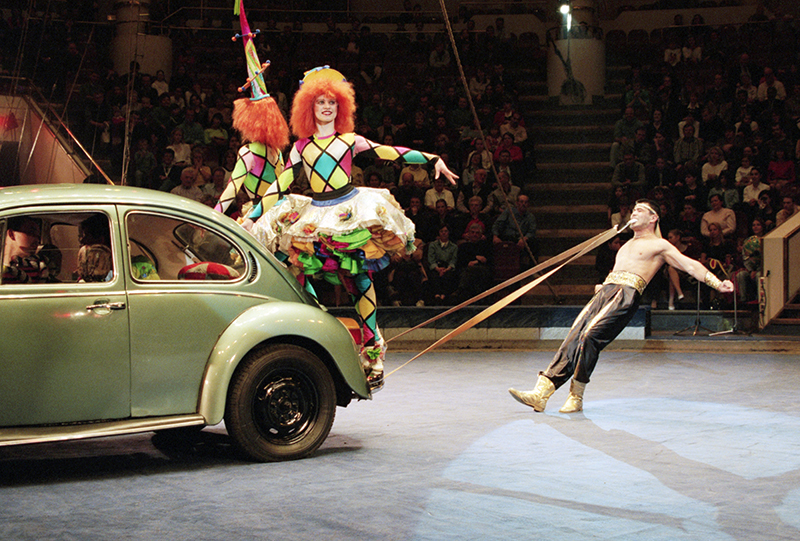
68,247
166,248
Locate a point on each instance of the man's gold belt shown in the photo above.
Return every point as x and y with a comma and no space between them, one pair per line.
625,278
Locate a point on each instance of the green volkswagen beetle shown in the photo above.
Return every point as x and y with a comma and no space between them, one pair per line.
125,310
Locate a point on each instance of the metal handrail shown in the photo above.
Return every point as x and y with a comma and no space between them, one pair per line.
35,99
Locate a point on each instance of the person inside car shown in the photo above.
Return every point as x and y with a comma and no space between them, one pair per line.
94,257
21,263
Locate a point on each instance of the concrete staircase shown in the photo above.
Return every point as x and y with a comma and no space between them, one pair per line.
572,182
788,321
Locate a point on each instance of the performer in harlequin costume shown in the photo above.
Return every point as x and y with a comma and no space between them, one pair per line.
343,231
262,126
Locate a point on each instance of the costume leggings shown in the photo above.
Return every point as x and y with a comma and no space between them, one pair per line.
362,291
609,311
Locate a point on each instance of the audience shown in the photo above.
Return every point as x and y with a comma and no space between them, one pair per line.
713,141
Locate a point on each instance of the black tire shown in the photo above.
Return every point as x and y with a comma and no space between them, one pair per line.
281,403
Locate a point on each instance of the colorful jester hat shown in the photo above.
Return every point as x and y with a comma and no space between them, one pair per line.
258,119
262,126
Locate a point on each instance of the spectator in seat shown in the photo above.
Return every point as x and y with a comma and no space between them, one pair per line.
725,189
788,209
711,170
505,229
624,131
475,215
167,175
711,126
675,276
144,163
629,174
752,261
743,172
515,128
716,246
643,151
688,149
689,220
765,210
439,193
478,188
181,149
661,174
690,190
505,165
769,81
422,218
481,150
442,257
751,191
193,132
468,173
419,175
507,143
719,215
473,265
780,171
505,191
406,278
620,218
606,256
443,215
188,187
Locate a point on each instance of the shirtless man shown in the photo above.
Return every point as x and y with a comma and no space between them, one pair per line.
612,307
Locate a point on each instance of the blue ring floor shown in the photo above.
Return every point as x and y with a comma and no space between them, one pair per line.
672,445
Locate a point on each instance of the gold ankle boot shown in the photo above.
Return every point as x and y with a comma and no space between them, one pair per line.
574,402
537,398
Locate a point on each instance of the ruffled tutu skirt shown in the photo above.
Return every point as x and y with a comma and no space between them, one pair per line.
357,232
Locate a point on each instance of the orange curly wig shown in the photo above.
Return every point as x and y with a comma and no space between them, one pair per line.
261,121
303,121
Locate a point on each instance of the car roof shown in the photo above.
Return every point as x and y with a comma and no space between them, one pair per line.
13,197
60,194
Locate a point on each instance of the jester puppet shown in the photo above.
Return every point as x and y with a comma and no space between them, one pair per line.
343,231
262,126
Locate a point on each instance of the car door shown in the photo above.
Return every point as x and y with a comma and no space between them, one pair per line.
187,283
64,338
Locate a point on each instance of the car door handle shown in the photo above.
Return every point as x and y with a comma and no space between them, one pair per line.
107,306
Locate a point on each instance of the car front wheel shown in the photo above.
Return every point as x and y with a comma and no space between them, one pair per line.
281,403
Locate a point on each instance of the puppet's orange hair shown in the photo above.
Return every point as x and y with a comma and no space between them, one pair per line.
303,121
261,121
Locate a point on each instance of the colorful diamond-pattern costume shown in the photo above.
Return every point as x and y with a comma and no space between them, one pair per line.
338,211
343,231
262,126
257,167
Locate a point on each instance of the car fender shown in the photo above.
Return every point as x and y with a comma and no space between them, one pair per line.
287,322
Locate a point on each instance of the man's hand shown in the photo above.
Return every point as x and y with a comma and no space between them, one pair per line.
726,287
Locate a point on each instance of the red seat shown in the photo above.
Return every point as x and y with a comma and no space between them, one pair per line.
506,261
